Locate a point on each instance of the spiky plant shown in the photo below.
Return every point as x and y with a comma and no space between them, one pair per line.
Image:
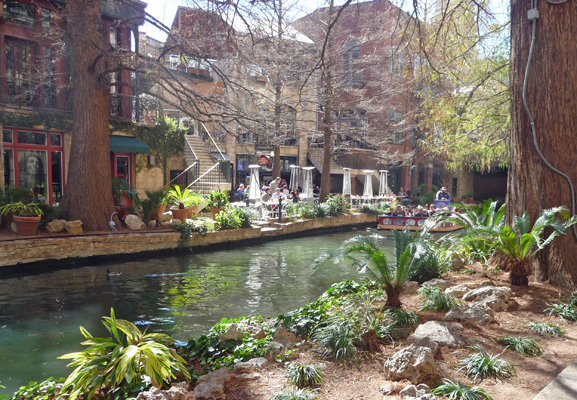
304,375
295,394
482,365
401,317
339,339
563,310
460,391
544,328
524,345
435,299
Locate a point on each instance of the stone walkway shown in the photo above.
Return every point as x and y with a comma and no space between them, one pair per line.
564,387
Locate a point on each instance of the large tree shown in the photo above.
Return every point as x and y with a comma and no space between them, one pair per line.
551,85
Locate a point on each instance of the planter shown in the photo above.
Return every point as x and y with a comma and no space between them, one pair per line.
161,208
215,210
193,210
179,213
26,225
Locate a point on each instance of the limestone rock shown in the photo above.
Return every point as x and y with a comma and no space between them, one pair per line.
386,389
232,333
414,363
133,222
419,392
457,291
426,342
441,283
56,225
74,227
253,363
494,297
474,313
275,348
439,332
178,391
252,328
152,224
165,217
411,287
212,385
284,337
457,263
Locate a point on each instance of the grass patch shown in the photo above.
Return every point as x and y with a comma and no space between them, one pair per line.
563,310
482,365
524,345
295,394
304,375
435,299
545,329
339,339
460,391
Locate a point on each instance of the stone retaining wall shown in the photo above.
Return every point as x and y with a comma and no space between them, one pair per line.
32,250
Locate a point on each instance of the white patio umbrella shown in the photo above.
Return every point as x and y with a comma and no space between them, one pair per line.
308,182
347,182
295,172
368,189
254,189
384,186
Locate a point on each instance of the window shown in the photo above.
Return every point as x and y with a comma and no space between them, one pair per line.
396,126
396,60
20,61
20,13
49,87
351,66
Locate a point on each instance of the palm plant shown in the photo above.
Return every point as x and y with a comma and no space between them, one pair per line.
520,242
125,359
179,197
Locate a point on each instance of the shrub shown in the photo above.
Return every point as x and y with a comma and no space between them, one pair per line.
234,218
338,338
435,299
401,317
189,227
126,362
564,311
49,389
482,365
524,345
460,391
544,328
295,394
337,205
303,375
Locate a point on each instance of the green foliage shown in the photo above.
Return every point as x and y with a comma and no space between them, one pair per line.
123,188
482,365
338,338
371,210
50,389
295,394
22,209
127,361
460,391
179,197
565,311
524,345
234,218
332,207
430,261
304,375
336,205
401,317
12,194
218,199
189,227
544,329
435,299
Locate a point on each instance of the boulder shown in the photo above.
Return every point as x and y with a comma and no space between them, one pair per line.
165,217
427,342
56,225
134,223
232,333
275,348
212,386
419,392
284,337
152,224
494,297
253,363
411,287
178,391
74,227
457,263
474,313
413,363
457,291
438,332
441,283
252,328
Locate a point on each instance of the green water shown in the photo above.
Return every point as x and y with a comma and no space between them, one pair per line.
182,296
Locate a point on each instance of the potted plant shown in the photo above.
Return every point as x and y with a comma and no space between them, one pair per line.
180,199
26,216
195,204
217,200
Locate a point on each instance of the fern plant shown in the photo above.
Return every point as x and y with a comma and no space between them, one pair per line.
401,317
435,299
524,345
460,391
304,375
124,360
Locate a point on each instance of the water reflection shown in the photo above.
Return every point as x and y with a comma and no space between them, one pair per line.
182,296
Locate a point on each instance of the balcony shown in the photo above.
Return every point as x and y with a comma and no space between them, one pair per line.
27,93
144,110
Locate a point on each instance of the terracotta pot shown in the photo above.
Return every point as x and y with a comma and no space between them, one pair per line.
215,210
194,210
161,208
26,225
179,213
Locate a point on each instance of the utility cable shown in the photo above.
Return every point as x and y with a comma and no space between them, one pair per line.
533,15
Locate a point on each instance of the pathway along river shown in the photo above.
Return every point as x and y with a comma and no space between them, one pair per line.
182,296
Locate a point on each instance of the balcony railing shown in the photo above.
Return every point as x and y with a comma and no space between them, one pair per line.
32,93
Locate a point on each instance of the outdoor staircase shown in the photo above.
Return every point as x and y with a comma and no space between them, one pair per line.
197,151
316,156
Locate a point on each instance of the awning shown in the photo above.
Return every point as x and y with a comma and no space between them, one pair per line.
125,144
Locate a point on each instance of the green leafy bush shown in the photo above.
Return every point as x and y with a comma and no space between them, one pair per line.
234,218
460,391
304,375
544,328
524,345
189,227
339,339
482,365
401,317
49,389
126,362
435,299
336,205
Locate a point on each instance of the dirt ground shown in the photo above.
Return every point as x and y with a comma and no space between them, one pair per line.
361,378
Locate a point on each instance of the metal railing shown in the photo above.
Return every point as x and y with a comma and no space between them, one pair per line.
213,148
217,175
190,174
33,93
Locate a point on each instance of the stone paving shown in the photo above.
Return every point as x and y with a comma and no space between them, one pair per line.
564,387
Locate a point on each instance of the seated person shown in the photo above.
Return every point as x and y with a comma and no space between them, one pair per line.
277,195
294,196
420,212
443,194
399,212
285,191
266,195
316,190
239,194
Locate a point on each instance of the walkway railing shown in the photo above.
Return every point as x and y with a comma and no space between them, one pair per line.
216,176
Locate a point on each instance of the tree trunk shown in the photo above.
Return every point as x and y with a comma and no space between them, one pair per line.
88,195
551,97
